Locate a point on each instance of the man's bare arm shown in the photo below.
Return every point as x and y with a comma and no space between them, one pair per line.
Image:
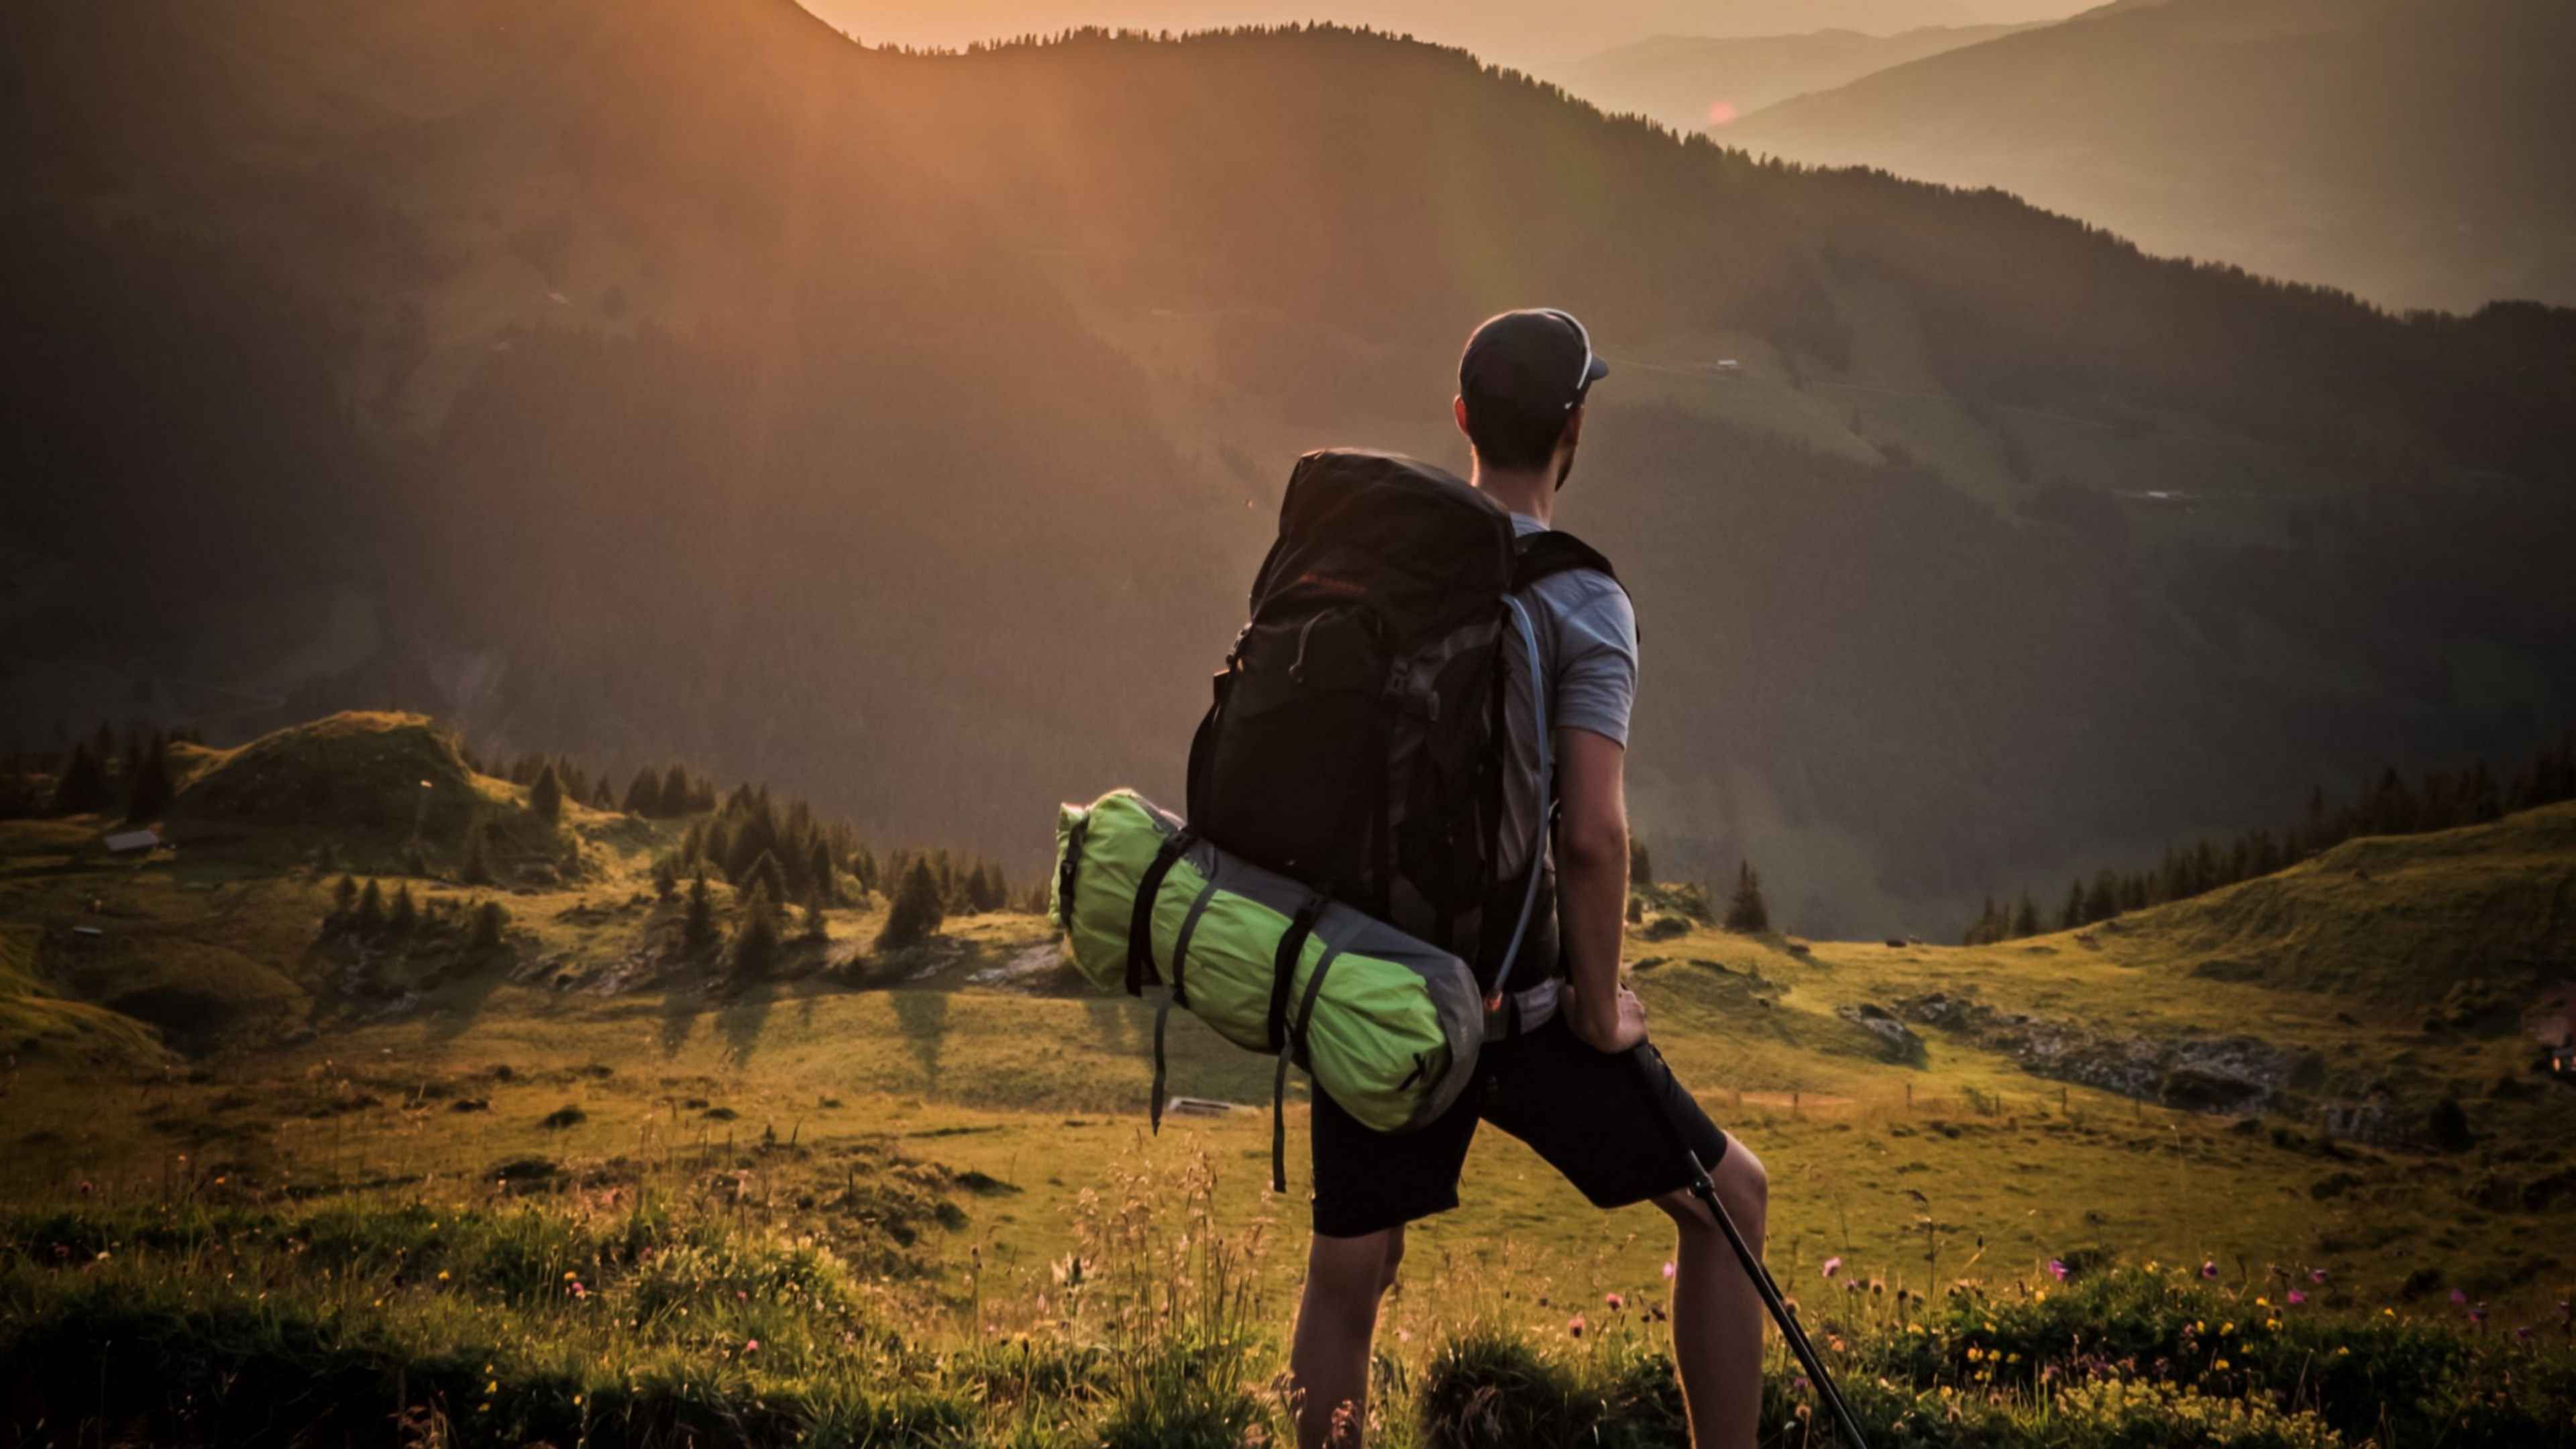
1592,887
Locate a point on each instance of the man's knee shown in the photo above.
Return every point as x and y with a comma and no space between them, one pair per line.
1351,1274
1743,1187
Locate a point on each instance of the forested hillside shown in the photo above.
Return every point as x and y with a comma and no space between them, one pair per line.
672,379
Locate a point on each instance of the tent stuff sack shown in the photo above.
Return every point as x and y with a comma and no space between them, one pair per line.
1387,1025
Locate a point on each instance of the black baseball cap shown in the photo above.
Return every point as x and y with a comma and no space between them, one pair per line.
1537,362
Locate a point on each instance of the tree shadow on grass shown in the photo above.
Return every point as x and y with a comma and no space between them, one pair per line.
923,1015
455,1006
742,1018
681,1003
1122,1026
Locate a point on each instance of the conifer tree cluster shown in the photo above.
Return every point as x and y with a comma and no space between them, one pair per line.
2436,800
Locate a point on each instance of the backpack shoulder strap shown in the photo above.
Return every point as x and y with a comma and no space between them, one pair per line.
1536,556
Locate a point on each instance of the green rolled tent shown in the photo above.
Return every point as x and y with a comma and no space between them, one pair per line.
1385,1024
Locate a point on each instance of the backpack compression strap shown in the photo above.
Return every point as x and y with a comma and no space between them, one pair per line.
1140,925
1536,556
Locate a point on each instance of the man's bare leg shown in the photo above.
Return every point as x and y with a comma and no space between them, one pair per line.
1328,1365
1717,1315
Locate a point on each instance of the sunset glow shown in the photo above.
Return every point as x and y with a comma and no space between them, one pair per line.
1721,113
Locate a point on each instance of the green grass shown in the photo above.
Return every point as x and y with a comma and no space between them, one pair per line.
952,1124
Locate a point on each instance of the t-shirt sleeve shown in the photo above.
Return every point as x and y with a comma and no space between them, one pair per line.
1596,684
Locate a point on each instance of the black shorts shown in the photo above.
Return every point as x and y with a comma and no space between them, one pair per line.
1605,1120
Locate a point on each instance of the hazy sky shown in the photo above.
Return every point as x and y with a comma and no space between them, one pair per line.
1517,32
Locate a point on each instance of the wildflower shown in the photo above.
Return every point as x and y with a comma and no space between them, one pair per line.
1975,1353
2225,1329
1613,1302
1574,1325
442,1275
2388,1313
2057,1269
2478,1316
2208,1268
2316,1275
2343,1350
2522,1334
2458,1297
751,1345
568,1277
2295,1298
2220,1365
1833,1265
2262,1302
1668,1269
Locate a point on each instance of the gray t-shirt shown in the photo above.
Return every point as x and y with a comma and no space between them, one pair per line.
1587,645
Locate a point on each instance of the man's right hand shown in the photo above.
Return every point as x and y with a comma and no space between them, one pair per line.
1624,1028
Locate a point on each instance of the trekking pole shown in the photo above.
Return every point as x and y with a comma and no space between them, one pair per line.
1705,1189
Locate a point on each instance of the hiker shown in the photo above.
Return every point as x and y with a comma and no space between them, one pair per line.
1573,1076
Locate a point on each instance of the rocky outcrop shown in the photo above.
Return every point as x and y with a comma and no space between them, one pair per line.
2196,1072
1900,1040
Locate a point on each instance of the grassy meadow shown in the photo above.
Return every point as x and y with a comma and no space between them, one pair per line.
266,1181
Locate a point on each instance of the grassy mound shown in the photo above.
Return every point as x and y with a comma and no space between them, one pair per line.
363,772
33,1018
2394,919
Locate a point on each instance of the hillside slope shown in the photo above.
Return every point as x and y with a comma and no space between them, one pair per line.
1693,81
2406,150
676,380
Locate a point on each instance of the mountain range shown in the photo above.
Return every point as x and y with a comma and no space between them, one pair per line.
679,379
2408,150
1696,82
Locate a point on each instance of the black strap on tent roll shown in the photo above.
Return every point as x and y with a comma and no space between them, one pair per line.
1064,881
1703,1188
1296,1051
1283,968
1140,924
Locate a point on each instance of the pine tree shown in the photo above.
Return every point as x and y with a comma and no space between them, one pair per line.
764,875
1745,910
666,880
676,797
755,939
344,897
406,911
371,909
818,866
546,794
1641,866
477,868
489,923
147,795
644,797
817,927
2025,921
698,927
82,786
600,797
918,908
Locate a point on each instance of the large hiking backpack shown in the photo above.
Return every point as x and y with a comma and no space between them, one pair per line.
1379,741
1378,731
